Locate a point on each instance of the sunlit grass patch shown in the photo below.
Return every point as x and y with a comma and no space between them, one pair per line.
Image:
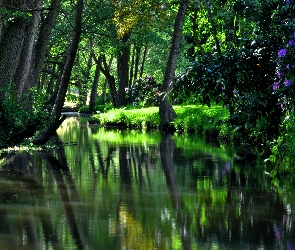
195,118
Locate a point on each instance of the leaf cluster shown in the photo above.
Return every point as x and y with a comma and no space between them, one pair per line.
240,80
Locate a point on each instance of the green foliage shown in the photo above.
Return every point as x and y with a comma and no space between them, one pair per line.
242,82
98,108
283,148
19,119
144,92
83,109
9,16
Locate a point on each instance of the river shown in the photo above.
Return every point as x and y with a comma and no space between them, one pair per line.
123,189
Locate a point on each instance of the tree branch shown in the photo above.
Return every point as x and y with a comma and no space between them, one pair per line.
27,10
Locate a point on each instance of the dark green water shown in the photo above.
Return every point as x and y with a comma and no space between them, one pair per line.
106,189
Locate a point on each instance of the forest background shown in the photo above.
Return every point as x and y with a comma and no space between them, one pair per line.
238,54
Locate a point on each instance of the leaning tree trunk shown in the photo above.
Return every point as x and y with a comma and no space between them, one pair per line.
55,118
166,110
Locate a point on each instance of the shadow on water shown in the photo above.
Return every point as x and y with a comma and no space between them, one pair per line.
129,190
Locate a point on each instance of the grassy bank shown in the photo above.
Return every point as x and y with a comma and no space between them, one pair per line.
198,119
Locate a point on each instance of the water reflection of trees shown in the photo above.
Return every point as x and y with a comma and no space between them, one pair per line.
109,195
21,184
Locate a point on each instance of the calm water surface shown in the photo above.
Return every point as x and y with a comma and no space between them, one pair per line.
108,189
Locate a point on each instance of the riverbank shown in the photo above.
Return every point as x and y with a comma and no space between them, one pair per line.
197,119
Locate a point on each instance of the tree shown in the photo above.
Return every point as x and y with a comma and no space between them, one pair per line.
55,117
93,93
166,110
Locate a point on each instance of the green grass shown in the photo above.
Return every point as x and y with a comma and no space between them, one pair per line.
135,118
191,118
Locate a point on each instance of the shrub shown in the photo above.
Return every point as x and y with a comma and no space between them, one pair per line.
19,120
84,109
144,92
98,108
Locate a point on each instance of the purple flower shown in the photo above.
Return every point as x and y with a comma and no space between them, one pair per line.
282,53
288,2
275,86
291,42
279,74
234,91
282,106
288,66
288,82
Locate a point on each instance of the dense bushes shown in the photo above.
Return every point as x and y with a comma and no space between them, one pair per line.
242,82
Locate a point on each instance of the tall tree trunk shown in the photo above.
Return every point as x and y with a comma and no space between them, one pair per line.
10,50
106,81
27,55
43,39
1,23
123,69
55,120
195,28
83,90
131,68
93,94
136,65
143,60
53,78
105,69
166,110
